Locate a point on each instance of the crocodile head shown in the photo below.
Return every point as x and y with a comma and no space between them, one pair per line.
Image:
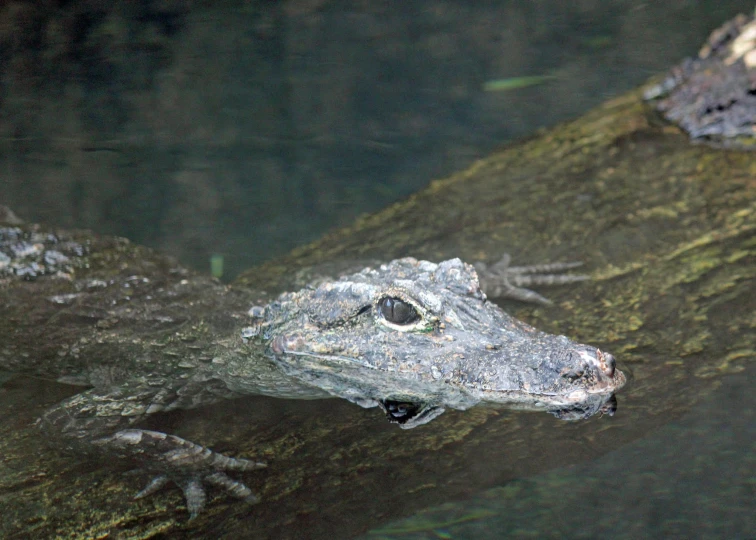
414,337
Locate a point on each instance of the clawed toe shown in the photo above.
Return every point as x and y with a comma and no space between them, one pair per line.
194,491
195,496
232,487
154,485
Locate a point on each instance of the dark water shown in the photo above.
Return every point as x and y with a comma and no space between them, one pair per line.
246,128
317,113
692,478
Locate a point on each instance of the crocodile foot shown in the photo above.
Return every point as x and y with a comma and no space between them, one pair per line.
189,465
194,490
504,281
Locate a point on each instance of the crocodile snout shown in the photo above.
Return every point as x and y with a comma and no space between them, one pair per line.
598,370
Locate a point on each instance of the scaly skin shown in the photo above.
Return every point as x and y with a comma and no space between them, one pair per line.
145,335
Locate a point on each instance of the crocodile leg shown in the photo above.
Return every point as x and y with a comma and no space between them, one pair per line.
97,422
504,281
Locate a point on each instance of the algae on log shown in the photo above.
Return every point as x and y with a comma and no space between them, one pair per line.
667,231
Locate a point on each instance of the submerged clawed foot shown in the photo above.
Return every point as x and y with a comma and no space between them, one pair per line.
194,490
504,281
189,465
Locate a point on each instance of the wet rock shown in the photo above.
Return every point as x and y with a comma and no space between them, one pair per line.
713,96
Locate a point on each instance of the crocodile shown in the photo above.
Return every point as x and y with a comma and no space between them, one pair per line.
410,337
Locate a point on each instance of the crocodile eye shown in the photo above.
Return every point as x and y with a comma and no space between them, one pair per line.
397,311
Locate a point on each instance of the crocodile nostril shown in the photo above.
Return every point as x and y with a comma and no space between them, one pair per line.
608,363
